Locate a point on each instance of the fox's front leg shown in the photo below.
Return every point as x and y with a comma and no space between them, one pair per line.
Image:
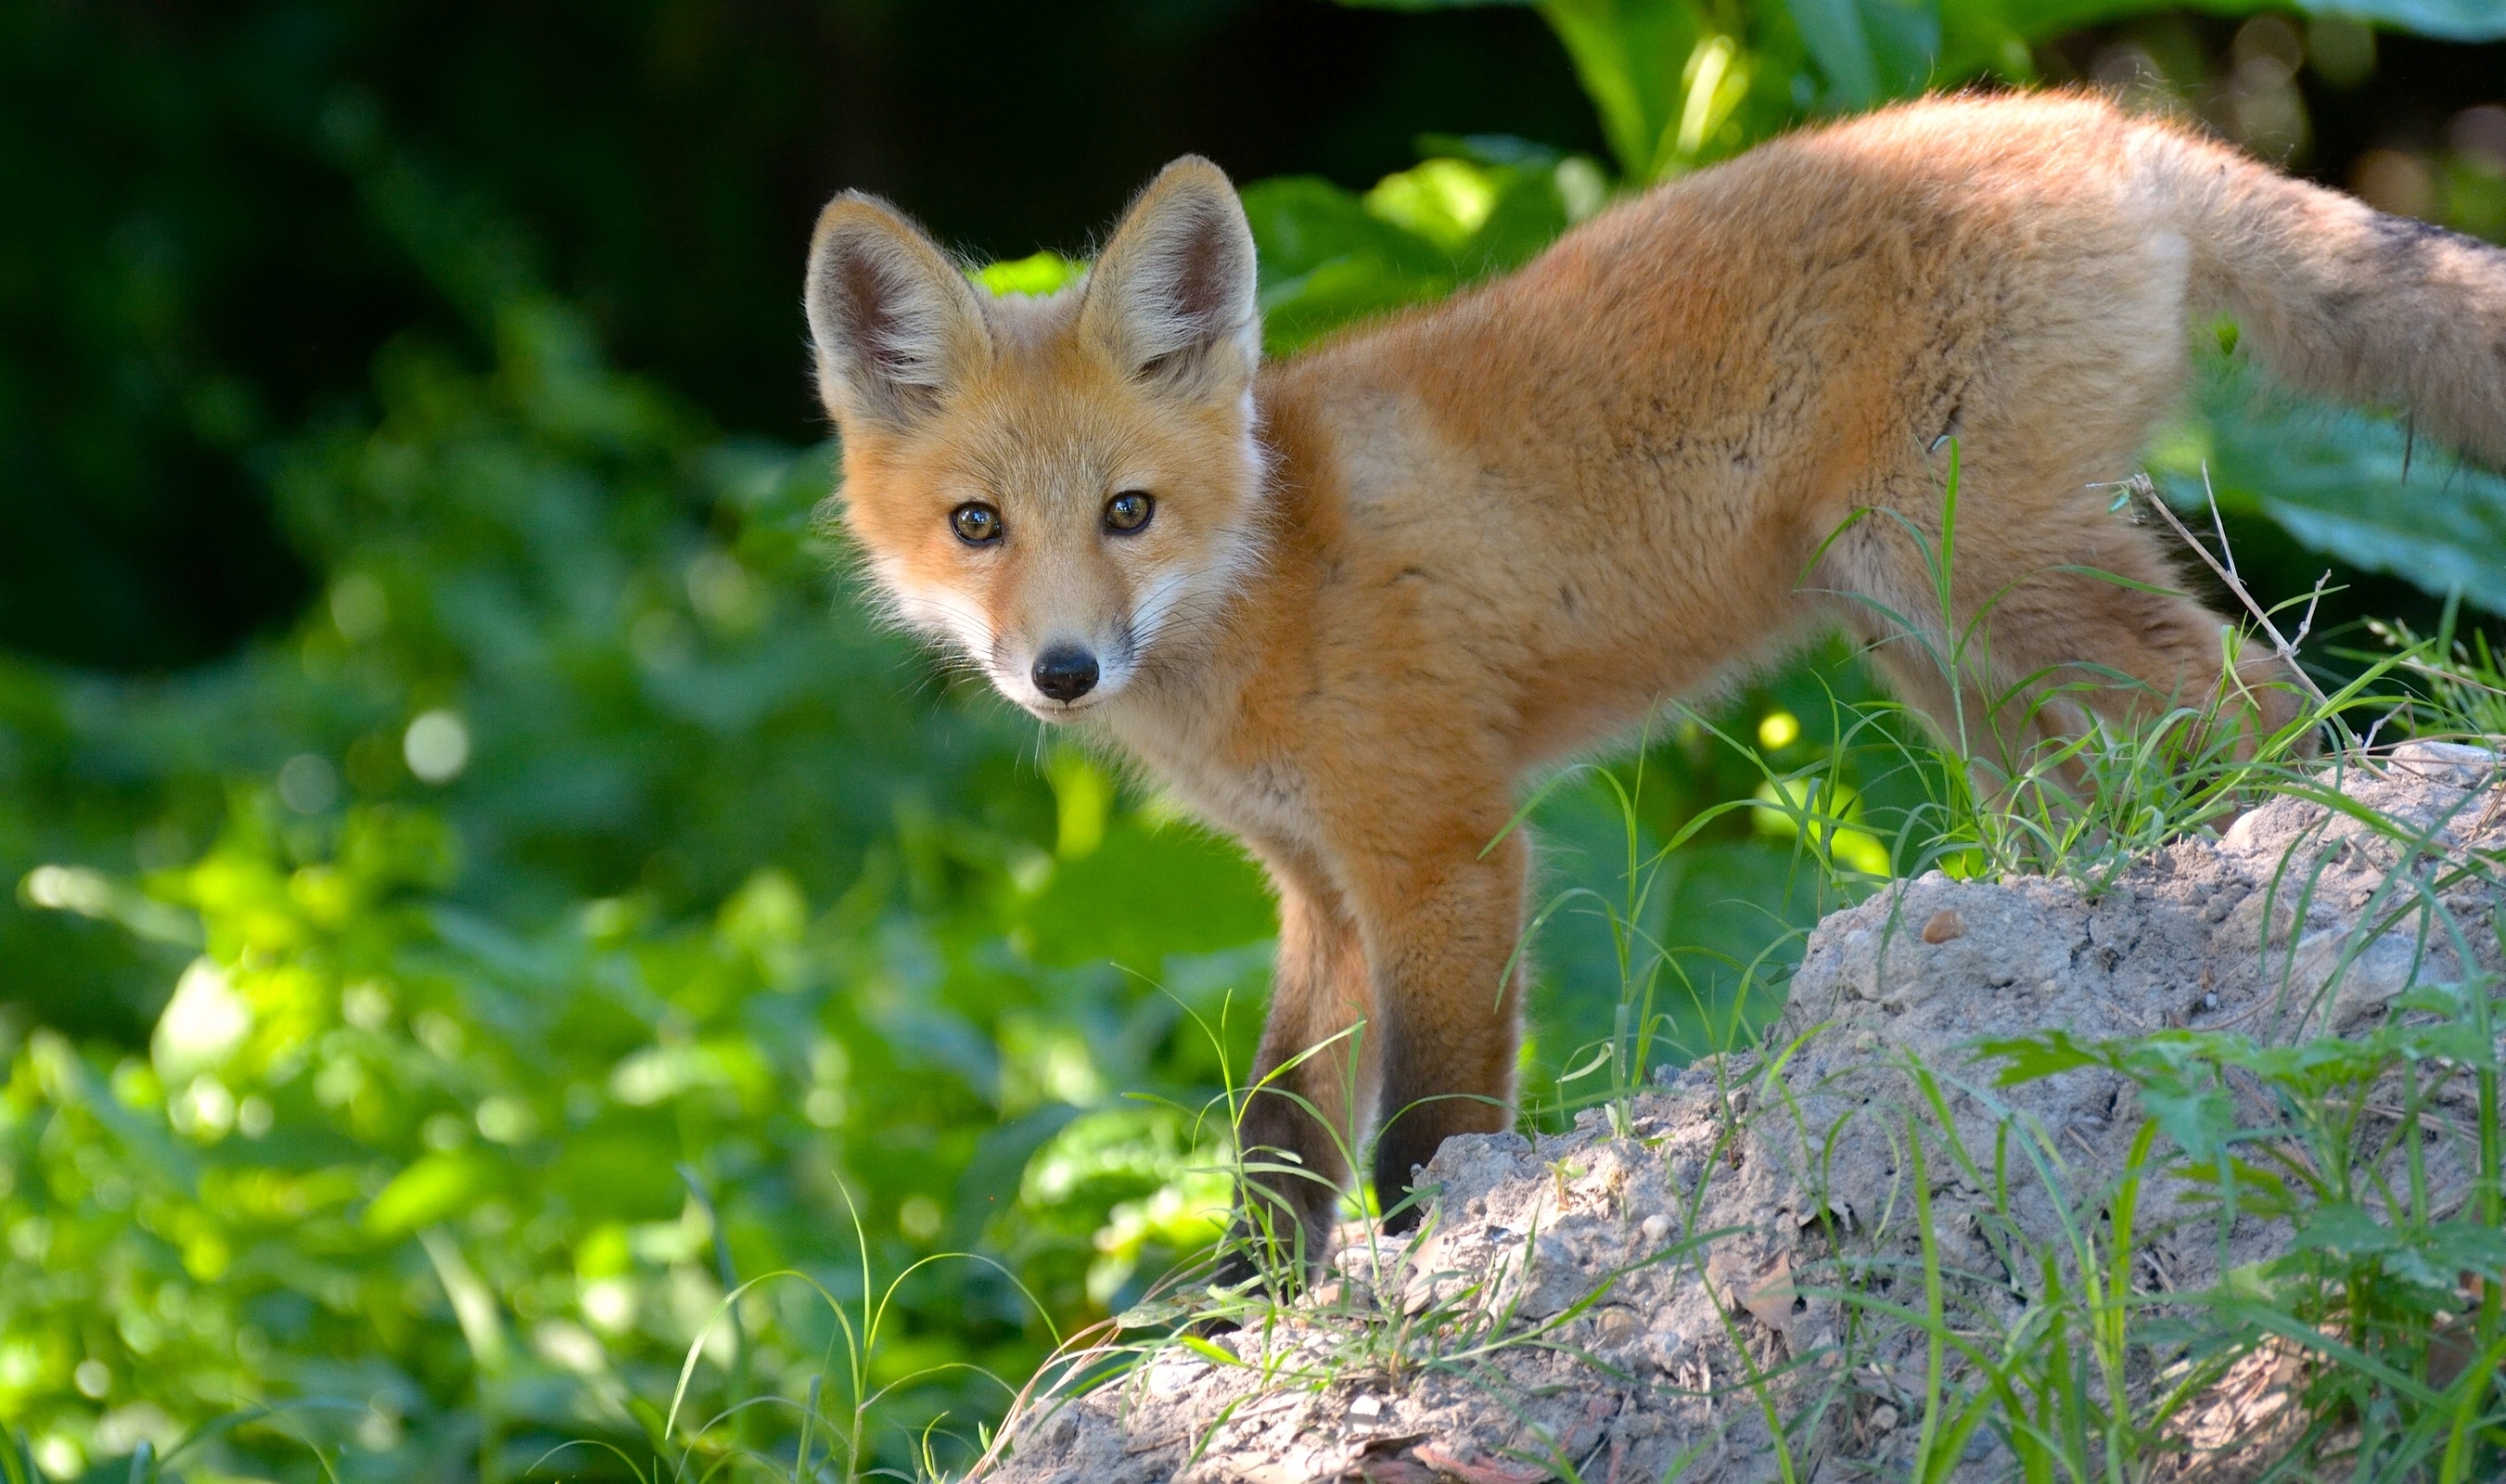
1442,915
1313,1075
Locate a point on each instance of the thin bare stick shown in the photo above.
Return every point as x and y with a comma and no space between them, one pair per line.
2367,743
2148,491
2218,526
2313,602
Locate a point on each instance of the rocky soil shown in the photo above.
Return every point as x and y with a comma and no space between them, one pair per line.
1593,1305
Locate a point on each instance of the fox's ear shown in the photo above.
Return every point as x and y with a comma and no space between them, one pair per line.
1172,294
895,324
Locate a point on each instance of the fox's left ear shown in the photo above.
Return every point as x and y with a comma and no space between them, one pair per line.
1172,294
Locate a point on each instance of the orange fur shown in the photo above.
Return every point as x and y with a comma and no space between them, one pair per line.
1388,578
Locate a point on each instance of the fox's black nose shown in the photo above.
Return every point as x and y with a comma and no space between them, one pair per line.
1066,672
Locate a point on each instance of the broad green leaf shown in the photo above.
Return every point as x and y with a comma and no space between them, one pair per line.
613,1174
1329,257
1444,201
2199,1115
2447,20
2348,1230
1144,893
1531,211
991,1178
1301,221
1042,273
1834,32
1982,36
1905,38
2029,1059
2465,1244
1871,50
435,1187
2351,484
1327,261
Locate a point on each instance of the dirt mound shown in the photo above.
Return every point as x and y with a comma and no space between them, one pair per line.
1599,1304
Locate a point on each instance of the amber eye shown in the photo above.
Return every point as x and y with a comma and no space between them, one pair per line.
976,524
1130,511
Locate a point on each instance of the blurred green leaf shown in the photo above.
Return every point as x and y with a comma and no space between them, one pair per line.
2449,19
2334,478
1871,48
1144,893
1330,257
1042,273
434,1189
2347,1229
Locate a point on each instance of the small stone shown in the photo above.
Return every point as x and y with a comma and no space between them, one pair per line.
1883,1418
1944,924
1618,1325
1365,1408
1657,1229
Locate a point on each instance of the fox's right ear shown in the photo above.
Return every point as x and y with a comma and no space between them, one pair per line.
894,322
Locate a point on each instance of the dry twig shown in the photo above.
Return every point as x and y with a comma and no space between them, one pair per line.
2142,485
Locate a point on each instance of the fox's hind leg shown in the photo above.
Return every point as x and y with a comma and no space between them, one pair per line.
2122,642
2061,614
1311,1079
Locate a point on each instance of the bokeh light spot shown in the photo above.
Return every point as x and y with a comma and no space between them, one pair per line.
436,746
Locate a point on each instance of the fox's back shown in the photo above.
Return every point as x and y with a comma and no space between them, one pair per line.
1732,363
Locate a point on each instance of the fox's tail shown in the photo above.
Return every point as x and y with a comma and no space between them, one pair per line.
2340,299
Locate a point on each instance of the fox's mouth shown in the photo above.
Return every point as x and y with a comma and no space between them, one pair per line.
1044,707
1061,710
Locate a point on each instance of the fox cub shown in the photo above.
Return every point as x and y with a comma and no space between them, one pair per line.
1342,604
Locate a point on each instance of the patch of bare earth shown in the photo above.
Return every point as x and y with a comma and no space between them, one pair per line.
1619,1306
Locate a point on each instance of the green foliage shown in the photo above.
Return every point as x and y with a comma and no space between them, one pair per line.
2348,483
1329,257
390,1148
1678,83
2386,1291
583,923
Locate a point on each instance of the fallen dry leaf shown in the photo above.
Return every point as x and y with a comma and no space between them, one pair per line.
1771,1302
1443,1459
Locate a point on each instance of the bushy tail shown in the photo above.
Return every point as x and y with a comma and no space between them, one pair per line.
2343,299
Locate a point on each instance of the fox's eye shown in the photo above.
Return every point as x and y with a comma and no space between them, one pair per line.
976,524
1130,511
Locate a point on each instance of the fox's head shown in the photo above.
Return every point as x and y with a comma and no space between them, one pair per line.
1066,486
